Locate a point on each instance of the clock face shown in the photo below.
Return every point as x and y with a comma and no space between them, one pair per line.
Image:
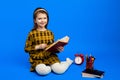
78,60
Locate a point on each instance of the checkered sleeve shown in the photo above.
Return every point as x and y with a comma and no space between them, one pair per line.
29,46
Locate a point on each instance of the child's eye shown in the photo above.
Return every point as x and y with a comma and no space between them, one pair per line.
45,18
39,18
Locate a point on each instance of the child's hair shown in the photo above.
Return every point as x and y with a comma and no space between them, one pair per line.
39,10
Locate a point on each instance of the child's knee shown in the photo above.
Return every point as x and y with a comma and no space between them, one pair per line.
42,69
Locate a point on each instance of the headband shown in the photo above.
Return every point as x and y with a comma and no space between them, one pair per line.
40,10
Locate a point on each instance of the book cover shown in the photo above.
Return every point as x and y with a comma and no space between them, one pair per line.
92,73
61,42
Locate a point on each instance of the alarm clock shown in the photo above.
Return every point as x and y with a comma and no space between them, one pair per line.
79,58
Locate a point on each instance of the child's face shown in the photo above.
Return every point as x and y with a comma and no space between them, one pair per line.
41,20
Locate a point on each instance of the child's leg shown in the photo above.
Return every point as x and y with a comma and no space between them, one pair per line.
60,68
42,69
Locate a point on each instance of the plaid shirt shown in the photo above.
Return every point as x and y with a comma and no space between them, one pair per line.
36,37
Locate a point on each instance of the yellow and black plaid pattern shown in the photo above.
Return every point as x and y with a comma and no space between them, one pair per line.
36,37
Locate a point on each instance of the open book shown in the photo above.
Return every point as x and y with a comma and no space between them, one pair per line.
60,42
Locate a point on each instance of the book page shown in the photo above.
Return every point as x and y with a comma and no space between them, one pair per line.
64,39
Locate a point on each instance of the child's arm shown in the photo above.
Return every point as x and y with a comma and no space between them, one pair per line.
29,46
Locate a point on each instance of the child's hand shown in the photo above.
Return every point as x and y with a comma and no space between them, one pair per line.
60,48
41,46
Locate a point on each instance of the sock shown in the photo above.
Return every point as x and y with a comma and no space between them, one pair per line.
42,69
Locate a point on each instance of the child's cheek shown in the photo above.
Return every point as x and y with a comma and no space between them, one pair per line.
39,20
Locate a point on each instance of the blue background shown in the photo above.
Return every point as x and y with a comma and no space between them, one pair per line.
93,27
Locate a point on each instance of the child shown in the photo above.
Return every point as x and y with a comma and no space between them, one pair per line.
43,62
